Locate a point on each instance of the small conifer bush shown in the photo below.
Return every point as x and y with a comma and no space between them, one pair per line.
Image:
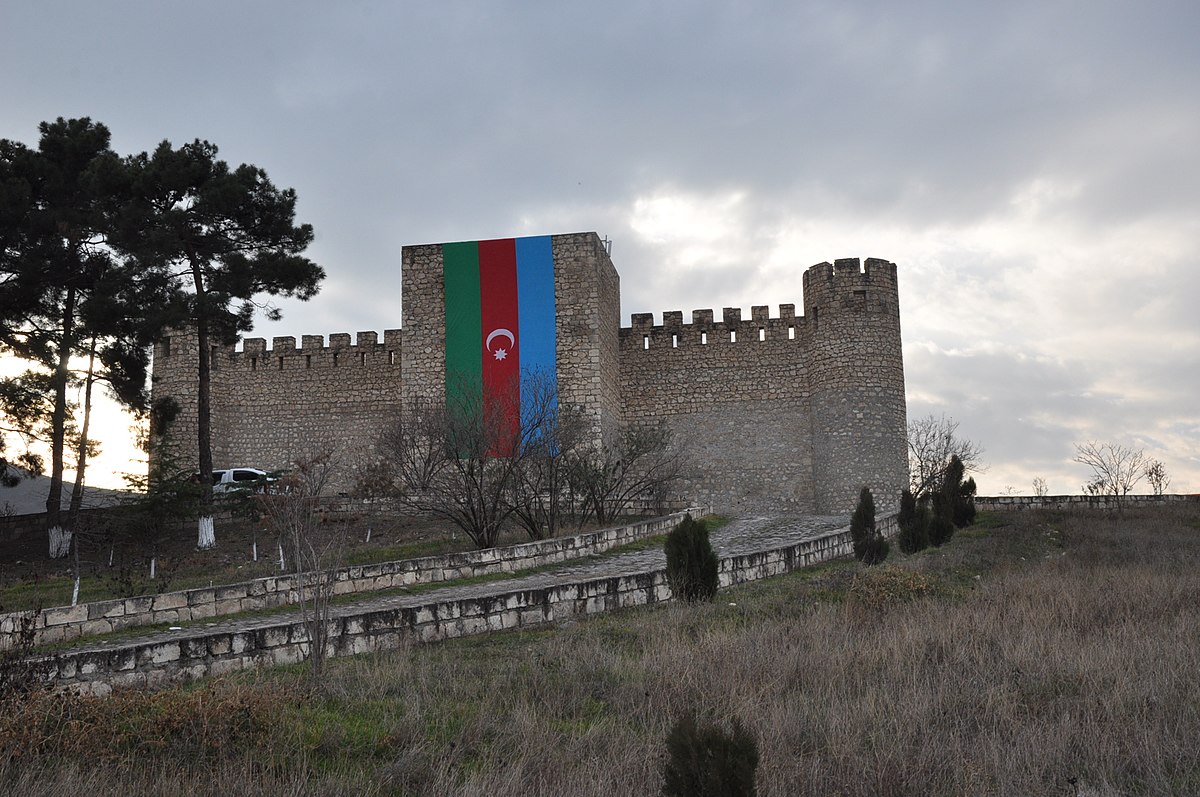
913,520
703,760
692,567
941,528
964,506
870,547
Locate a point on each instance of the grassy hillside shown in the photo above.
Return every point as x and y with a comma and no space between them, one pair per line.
1038,653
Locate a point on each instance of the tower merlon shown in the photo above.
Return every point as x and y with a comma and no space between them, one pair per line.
846,285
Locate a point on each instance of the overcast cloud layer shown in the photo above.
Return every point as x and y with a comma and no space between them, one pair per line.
1031,167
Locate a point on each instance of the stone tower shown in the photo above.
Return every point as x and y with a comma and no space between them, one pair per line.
856,383
587,305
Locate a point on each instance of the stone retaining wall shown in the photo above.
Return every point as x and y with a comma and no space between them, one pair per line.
203,655
65,623
1017,503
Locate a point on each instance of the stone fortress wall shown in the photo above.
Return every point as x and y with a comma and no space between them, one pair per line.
787,412
792,413
272,406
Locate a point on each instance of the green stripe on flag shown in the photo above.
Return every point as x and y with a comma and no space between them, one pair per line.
464,325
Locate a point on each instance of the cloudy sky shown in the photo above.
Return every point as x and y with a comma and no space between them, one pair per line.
1032,167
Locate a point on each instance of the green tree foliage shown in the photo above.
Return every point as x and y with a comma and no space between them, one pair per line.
224,236
870,547
64,291
956,498
953,503
704,760
964,506
913,520
932,442
941,528
862,522
692,566
168,494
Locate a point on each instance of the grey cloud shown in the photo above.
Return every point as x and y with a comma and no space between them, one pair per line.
409,123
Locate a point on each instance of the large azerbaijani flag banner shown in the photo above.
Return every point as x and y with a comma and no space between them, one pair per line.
500,329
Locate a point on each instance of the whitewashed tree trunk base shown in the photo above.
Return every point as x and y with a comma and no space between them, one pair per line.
60,542
208,535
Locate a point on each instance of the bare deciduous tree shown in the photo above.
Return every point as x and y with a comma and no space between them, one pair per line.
456,462
541,493
290,508
645,462
1116,469
414,443
466,464
1040,489
1156,474
932,441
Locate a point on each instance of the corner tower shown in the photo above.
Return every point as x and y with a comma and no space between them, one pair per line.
856,381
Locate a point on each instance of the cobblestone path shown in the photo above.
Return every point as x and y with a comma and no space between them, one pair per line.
741,536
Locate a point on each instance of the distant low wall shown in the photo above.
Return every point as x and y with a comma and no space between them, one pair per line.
1017,503
65,623
202,655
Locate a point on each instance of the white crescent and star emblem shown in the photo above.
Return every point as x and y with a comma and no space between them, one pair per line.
501,352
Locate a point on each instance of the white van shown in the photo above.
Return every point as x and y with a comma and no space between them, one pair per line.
235,478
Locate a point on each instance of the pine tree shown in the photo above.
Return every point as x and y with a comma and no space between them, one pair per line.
68,295
229,235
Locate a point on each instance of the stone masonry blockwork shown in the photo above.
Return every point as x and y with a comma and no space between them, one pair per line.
791,412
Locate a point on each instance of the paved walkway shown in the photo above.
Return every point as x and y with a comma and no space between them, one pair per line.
741,536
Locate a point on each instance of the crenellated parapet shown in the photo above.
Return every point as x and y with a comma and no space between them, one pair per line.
253,354
847,286
732,329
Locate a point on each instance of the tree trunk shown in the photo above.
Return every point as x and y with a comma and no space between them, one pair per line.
60,538
207,533
81,458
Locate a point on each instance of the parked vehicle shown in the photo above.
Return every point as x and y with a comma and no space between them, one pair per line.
230,479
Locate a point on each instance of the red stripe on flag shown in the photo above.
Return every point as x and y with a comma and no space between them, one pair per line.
500,344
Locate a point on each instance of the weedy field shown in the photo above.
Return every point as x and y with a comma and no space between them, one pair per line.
1038,653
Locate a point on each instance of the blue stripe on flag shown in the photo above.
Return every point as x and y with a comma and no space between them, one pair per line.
535,310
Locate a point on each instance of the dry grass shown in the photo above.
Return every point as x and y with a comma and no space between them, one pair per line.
1068,667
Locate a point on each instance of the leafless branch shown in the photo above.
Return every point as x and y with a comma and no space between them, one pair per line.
932,440
1116,469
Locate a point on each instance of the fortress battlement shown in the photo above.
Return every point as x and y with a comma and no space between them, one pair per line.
846,285
704,330
252,354
312,344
